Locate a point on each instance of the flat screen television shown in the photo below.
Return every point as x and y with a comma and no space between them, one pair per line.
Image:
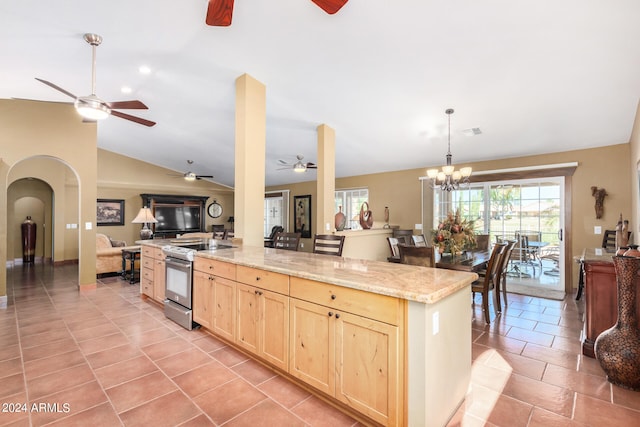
177,218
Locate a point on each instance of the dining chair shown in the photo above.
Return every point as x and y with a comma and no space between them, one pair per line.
488,283
419,240
417,255
228,234
268,241
393,247
328,244
482,242
609,239
502,272
287,241
403,236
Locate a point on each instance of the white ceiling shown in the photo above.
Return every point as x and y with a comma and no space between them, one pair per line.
535,76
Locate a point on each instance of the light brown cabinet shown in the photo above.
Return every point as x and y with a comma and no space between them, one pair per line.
342,345
203,299
214,296
159,275
152,273
263,314
147,272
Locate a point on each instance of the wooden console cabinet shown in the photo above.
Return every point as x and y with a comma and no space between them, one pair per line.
601,298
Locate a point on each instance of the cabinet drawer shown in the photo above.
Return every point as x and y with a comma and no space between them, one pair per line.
374,306
147,262
147,251
146,287
158,254
147,273
217,268
269,280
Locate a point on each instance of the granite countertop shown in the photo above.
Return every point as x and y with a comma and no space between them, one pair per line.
421,284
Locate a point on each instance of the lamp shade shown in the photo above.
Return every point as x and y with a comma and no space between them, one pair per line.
144,216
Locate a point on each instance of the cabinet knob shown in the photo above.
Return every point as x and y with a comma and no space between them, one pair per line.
337,315
257,277
333,296
330,313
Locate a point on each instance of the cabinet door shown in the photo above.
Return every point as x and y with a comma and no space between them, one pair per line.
367,366
203,299
224,307
159,280
274,328
312,346
248,315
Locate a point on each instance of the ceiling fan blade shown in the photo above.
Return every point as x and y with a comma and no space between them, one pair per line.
38,100
219,13
204,176
56,87
282,162
133,118
127,105
310,165
330,6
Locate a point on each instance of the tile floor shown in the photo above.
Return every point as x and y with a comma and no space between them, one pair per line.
108,358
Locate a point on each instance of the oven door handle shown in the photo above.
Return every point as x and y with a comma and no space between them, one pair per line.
178,263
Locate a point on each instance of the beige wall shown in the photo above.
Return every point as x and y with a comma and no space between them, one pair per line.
401,190
32,130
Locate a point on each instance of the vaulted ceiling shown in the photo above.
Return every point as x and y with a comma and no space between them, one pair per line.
534,76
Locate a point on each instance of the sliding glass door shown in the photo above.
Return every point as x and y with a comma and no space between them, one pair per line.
531,210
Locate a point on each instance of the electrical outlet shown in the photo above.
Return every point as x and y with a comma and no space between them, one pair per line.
597,229
301,245
418,227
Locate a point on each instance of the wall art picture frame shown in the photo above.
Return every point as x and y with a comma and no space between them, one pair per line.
109,212
302,215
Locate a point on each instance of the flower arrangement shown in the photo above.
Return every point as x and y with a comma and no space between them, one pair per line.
454,235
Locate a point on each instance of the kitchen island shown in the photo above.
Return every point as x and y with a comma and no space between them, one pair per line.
389,341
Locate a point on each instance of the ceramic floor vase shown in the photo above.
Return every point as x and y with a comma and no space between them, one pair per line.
618,348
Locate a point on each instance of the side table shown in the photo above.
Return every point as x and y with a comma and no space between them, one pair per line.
132,274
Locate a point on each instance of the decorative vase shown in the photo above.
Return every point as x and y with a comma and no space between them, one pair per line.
28,240
340,220
618,348
632,251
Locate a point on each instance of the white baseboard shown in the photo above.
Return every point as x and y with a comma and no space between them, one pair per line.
3,302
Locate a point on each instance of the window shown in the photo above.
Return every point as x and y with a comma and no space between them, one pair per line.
276,210
351,201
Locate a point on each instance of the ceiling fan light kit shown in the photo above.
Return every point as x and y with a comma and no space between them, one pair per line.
93,108
449,179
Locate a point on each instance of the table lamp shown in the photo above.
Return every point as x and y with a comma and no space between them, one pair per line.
144,217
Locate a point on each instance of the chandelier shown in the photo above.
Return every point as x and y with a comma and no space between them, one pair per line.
448,178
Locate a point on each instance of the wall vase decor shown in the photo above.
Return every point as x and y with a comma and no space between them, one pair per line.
618,348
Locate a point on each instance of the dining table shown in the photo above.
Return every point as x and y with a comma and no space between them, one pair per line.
471,261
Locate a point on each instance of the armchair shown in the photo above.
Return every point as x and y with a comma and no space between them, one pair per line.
109,254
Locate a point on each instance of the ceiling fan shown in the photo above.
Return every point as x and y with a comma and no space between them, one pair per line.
93,108
190,176
298,166
219,12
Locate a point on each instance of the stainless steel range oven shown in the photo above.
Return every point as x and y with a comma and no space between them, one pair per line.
179,280
179,285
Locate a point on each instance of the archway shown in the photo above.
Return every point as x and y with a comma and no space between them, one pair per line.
47,189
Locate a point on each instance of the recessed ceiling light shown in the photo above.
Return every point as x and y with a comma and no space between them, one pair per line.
144,69
125,89
472,132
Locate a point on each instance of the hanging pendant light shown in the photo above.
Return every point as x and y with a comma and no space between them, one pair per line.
448,178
